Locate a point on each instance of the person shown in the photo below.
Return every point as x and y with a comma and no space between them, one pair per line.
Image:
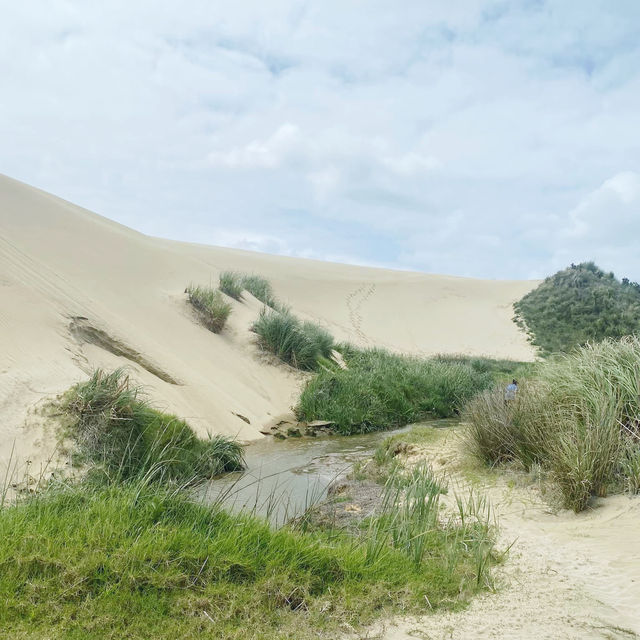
510,391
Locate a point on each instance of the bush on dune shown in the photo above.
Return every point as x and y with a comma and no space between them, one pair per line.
261,289
381,390
230,282
211,306
116,430
301,344
578,416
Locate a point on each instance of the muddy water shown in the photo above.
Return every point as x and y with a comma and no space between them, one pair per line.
285,477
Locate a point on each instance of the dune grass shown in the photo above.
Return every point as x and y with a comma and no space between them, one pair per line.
230,282
578,416
380,390
136,560
262,289
301,344
123,437
212,308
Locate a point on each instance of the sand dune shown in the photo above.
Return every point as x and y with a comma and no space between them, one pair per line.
77,291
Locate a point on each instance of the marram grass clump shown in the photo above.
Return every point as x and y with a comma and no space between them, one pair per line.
261,289
230,282
212,308
123,437
380,390
578,416
303,345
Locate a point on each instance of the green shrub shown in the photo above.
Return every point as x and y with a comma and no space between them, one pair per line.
381,390
116,430
136,560
300,344
261,289
231,284
211,306
578,417
579,304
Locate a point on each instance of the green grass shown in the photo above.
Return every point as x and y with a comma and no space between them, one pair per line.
303,345
212,308
380,390
578,416
122,437
579,304
136,560
230,282
261,289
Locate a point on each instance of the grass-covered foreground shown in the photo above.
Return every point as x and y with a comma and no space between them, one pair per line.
577,416
117,432
135,560
380,390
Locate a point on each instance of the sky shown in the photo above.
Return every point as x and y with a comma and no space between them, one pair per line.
493,139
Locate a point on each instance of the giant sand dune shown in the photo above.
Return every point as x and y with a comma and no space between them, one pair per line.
79,291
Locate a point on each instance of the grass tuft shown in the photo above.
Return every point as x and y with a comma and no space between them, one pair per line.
300,344
231,284
211,306
578,416
261,289
117,431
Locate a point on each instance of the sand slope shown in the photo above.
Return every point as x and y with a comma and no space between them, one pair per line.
68,275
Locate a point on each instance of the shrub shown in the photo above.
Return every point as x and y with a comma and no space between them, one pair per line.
381,390
116,430
579,304
261,289
300,344
578,417
231,284
211,306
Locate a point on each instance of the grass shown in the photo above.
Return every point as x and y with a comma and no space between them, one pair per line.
230,282
303,345
118,432
148,562
212,308
577,305
577,416
380,390
261,289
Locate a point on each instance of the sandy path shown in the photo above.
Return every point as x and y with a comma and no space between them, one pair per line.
567,576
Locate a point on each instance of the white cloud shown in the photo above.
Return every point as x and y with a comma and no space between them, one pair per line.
267,154
477,138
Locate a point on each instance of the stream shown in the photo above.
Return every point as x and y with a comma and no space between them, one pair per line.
285,477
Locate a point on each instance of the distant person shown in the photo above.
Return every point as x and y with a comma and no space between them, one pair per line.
511,390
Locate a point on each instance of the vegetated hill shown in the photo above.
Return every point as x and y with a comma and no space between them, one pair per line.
577,305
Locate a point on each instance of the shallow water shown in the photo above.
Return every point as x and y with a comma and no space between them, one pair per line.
284,477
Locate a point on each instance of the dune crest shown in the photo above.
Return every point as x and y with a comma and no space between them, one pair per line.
79,291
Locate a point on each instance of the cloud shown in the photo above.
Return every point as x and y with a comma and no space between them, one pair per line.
605,226
476,138
266,154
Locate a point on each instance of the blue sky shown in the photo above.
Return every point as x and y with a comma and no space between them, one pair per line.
476,138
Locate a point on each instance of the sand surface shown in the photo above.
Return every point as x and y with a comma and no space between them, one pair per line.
567,576
66,273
